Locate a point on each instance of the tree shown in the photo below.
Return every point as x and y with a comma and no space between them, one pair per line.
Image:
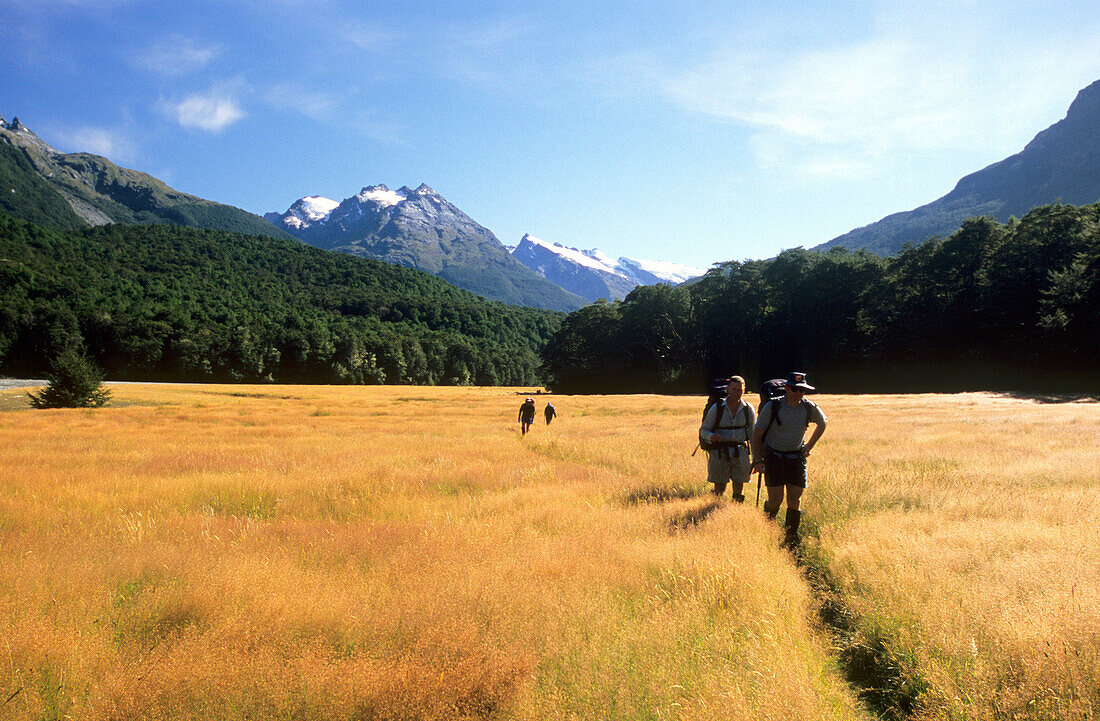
74,383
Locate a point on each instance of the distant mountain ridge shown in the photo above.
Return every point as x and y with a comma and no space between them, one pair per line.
1062,163
419,228
591,274
73,190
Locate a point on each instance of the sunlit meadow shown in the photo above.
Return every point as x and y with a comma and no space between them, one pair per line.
959,529
222,552
303,552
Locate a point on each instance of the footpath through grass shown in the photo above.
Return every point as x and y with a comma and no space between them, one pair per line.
959,554
230,552
227,552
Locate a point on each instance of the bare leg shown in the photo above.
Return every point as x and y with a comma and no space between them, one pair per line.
775,500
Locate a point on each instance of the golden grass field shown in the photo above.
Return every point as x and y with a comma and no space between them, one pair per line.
305,552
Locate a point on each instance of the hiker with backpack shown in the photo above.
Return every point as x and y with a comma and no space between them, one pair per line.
526,415
724,435
780,448
549,412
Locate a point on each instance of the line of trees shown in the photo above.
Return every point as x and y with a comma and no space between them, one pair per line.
163,302
995,306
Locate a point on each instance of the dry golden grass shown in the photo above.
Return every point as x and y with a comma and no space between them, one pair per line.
961,531
228,552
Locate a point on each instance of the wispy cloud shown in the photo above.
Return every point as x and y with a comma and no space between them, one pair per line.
212,111
367,37
177,55
494,34
842,110
306,101
113,145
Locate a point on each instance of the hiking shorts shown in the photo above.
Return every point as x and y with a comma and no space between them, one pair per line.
784,469
727,464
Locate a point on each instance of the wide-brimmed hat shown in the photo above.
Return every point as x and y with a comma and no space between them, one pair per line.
797,379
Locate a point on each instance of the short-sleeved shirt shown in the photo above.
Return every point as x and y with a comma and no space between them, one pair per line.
735,423
787,433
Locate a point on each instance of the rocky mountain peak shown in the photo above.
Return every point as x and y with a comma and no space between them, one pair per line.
1087,102
24,137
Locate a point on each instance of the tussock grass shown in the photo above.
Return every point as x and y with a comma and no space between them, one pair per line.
959,531
229,552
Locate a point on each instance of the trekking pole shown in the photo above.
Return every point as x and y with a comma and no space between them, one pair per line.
759,477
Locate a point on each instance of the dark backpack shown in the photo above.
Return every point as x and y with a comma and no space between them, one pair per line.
717,397
769,391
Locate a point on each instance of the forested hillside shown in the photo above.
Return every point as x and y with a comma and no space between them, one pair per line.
163,302
994,306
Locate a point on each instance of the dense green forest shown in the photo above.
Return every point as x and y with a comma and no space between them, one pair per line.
162,302
995,306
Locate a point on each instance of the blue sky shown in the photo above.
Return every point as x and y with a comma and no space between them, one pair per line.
688,132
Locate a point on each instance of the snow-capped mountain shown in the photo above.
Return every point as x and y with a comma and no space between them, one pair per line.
307,212
591,274
421,229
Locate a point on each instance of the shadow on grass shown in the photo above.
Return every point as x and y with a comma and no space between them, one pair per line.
660,494
886,679
693,517
1053,397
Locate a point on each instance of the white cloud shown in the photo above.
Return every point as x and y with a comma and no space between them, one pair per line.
177,55
845,109
99,141
213,112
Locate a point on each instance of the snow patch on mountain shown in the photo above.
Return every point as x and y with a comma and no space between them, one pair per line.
316,208
664,271
642,272
381,195
580,257
305,213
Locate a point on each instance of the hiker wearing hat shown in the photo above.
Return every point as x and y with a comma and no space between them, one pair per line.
727,427
780,448
549,412
526,415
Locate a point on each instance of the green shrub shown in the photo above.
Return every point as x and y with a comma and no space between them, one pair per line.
74,383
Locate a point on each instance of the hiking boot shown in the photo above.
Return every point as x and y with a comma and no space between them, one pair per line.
794,518
771,513
740,498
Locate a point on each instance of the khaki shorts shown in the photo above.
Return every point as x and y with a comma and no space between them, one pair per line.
724,467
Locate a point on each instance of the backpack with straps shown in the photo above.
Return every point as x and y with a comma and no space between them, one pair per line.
717,397
769,391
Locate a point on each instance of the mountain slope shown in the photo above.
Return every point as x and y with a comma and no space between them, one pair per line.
420,229
98,192
574,270
1062,163
593,275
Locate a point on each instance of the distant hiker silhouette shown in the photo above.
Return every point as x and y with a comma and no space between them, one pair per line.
526,415
549,412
